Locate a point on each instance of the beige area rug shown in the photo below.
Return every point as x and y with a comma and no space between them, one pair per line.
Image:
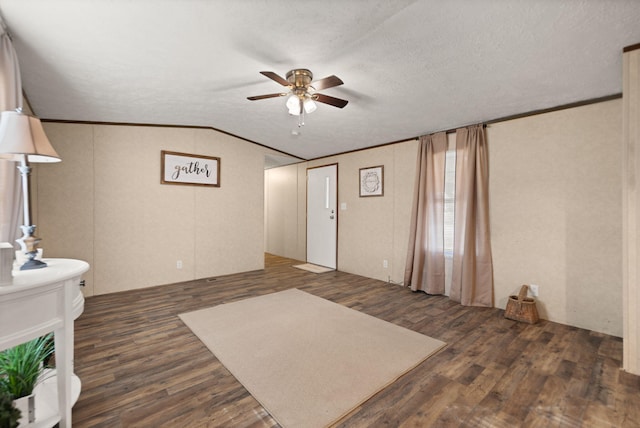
307,360
313,268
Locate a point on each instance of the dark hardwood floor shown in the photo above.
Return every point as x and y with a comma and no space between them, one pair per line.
140,366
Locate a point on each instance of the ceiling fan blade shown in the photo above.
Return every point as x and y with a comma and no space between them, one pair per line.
336,102
262,97
273,76
327,82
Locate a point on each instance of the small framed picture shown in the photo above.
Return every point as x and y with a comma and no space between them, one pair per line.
372,181
188,169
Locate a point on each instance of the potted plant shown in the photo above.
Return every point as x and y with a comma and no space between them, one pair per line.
20,369
9,414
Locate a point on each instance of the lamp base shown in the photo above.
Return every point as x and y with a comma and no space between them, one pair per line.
33,264
29,243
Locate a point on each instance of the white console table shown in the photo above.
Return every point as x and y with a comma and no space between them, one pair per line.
40,301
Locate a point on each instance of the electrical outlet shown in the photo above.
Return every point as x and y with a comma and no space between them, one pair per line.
385,263
533,288
179,264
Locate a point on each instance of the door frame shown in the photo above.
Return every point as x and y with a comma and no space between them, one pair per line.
306,207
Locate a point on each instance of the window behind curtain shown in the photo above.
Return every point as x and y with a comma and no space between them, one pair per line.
449,211
449,200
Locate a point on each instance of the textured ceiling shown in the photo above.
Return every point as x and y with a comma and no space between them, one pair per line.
409,67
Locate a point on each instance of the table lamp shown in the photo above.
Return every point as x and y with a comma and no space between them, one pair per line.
22,139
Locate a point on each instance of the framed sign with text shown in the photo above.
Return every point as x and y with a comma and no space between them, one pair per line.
183,168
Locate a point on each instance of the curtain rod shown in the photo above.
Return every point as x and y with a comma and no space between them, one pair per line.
448,131
451,131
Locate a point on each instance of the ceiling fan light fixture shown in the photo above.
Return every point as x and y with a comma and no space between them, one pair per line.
309,106
293,104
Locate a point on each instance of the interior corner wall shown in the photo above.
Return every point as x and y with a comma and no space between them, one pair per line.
63,201
104,204
370,229
284,197
556,213
374,229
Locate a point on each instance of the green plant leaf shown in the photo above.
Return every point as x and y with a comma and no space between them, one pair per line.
21,365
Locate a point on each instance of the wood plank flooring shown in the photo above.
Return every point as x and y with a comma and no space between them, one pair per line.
140,366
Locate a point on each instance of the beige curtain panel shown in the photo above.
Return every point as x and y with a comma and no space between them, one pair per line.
11,98
472,277
425,259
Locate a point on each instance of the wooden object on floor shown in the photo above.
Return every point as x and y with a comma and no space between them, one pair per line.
142,367
522,308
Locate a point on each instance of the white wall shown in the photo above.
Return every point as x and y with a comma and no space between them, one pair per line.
555,189
374,229
556,213
285,197
104,204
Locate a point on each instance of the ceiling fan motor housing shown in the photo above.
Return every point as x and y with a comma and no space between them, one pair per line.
300,78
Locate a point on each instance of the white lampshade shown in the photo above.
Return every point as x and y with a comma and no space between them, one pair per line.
21,134
293,104
309,106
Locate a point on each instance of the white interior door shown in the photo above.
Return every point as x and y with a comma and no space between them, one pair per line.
322,215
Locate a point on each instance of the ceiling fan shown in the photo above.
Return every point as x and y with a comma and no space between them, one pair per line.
303,91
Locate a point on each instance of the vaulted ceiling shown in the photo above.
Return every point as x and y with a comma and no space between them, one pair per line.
409,67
